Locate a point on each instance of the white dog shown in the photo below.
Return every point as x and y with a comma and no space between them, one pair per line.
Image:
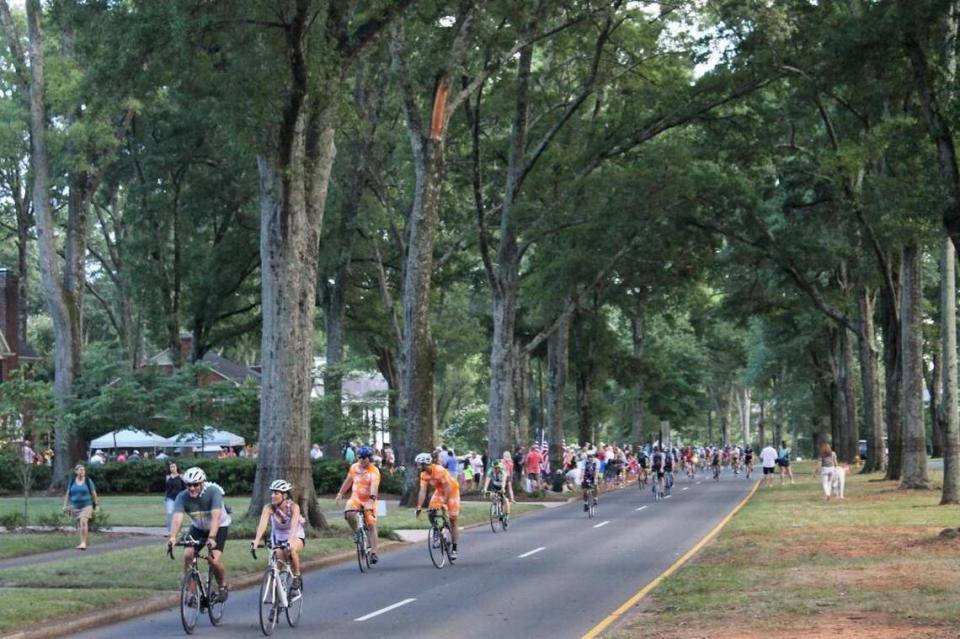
838,480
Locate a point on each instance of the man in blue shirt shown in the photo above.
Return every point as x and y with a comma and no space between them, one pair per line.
451,464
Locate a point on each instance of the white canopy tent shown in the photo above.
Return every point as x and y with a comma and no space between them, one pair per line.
211,437
129,437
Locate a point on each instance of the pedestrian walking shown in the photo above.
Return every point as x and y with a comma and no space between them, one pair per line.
783,459
174,486
828,466
82,496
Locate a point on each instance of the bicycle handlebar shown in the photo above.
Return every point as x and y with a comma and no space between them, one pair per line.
283,545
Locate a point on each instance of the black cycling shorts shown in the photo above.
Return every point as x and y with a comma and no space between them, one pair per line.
201,535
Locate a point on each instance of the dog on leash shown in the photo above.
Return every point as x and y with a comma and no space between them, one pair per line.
838,480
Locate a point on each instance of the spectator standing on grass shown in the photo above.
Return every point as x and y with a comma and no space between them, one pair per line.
134,457
477,462
451,464
315,452
98,458
122,458
82,496
783,459
533,463
29,457
350,454
174,486
768,458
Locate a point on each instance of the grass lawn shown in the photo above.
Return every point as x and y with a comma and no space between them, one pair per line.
18,545
25,606
869,565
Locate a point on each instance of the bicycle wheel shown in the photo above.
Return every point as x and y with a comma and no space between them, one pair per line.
363,560
435,545
269,606
496,513
294,603
190,591
447,541
214,605
591,507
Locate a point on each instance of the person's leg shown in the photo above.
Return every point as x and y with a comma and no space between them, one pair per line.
296,547
351,518
168,505
826,477
371,519
188,553
216,562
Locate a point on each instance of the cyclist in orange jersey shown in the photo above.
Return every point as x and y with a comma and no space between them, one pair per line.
446,493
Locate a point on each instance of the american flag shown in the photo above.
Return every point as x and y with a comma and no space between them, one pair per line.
545,453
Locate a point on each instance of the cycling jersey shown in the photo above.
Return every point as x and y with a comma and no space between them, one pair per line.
281,524
201,507
362,489
438,478
589,474
497,478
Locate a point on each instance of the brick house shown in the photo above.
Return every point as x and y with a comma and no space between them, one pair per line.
222,370
14,349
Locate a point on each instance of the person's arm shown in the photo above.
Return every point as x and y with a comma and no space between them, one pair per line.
345,486
422,496
66,496
214,527
375,486
486,483
262,525
175,524
95,497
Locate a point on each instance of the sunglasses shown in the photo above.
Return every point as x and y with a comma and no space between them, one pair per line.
193,485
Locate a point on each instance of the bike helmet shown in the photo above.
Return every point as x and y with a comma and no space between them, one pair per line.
365,452
423,458
194,475
281,486
498,465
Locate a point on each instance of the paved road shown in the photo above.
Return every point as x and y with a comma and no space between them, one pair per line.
574,573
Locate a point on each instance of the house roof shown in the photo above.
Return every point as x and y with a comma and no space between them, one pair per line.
225,368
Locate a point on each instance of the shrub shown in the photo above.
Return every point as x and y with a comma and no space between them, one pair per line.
14,519
10,480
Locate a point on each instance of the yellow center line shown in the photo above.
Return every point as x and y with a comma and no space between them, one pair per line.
632,601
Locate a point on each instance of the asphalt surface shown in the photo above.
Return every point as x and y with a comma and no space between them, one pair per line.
554,573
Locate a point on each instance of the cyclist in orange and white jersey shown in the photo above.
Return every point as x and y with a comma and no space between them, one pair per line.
446,493
364,478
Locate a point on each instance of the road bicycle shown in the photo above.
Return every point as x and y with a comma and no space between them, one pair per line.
361,537
590,501
275,590
498,519
196,594
440,539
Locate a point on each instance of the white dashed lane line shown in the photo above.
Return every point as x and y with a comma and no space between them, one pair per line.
602,523
532,552
641,507
686,488
383,610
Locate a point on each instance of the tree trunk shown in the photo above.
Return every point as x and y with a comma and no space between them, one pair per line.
558,348
849,434
934,389
911,318
60,290
294,176
502,364
762,424
893,374
869,375
418,353
950,417
637,407
521,396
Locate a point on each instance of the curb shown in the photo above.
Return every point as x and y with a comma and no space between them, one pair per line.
137,608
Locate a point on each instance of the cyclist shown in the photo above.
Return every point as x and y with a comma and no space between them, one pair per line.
363,479
735,460
748,461
498,479
202,501
657,465
286,526
668,461
446,493
644,462
715,463
588,480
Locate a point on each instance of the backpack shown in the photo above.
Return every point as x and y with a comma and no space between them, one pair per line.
657,460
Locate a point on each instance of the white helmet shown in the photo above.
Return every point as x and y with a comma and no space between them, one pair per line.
194,475
281,486
423,458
